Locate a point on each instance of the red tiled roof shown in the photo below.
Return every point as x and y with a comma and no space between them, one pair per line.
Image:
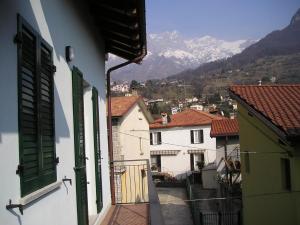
279,104
225,127
189,117
121,105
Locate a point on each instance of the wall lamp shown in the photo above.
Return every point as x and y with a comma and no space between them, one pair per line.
69,53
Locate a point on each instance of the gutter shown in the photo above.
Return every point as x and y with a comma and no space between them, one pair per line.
109,122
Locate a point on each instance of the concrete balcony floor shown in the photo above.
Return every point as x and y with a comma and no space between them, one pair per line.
127,214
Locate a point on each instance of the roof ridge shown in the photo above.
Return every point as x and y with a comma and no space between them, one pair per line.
265,85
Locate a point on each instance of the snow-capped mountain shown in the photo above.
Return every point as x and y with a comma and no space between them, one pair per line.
169,53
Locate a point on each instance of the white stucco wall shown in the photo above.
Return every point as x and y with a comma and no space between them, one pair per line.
60,23
134,123
178,138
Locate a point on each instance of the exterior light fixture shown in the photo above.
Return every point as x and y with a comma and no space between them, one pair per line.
69,53
106,56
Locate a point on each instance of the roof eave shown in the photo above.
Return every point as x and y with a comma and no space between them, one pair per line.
173,126
224,135
280,132
123,27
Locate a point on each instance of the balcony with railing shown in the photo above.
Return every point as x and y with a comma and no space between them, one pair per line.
136,199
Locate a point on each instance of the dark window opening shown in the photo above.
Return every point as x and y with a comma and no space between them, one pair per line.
286,174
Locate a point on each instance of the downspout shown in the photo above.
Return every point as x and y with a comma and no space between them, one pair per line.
225,154
109,122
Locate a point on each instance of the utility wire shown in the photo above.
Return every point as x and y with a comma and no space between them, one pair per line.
196,148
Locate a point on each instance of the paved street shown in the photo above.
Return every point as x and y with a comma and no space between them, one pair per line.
175,211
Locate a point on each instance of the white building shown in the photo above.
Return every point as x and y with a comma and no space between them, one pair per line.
174,110
120,88
53,108
197,107
130,128
178,142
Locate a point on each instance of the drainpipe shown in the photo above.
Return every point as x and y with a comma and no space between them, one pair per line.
109,122
225,152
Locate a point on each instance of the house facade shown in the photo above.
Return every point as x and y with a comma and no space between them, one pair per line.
270,153
130,128
53,133
179,142
226,132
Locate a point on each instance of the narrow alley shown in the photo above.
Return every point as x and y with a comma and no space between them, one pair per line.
174,209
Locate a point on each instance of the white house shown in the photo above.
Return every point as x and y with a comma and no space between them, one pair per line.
179,141
197,107
54,164
130,128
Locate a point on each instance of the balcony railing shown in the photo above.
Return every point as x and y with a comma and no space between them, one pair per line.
131,181
134,185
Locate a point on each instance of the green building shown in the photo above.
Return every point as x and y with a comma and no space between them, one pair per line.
269,121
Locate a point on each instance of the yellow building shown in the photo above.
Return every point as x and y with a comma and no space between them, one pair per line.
269,120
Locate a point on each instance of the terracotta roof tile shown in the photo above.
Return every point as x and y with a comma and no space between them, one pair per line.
121,105
189,117
279,104
225,127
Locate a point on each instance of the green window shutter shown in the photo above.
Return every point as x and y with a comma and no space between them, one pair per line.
98,177
159,138
28,109
151,139
47,128
36,118
192,136
79,147
201,136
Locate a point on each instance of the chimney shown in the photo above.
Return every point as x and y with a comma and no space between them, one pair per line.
164,117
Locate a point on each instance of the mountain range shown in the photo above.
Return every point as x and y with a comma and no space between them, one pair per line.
170,53
279,49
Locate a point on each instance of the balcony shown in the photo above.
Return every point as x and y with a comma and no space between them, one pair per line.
135,195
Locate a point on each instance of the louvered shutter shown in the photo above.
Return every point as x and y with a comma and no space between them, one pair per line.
46,109
28,110
79,142
202,157
159,138
192,137
98,177
151,139
201,136
36,116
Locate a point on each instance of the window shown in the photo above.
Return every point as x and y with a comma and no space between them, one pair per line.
38,161
156,163
286,174
155,138
196,136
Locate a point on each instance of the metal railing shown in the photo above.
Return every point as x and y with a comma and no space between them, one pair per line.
235,154
134,185
201,217
131,181
220,218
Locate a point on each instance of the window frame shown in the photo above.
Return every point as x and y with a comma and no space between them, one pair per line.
286,180
155,138
200,139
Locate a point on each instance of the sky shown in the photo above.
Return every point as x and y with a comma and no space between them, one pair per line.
223,19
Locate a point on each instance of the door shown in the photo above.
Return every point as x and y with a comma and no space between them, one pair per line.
79,147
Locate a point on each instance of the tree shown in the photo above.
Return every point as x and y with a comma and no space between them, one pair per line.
134,85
